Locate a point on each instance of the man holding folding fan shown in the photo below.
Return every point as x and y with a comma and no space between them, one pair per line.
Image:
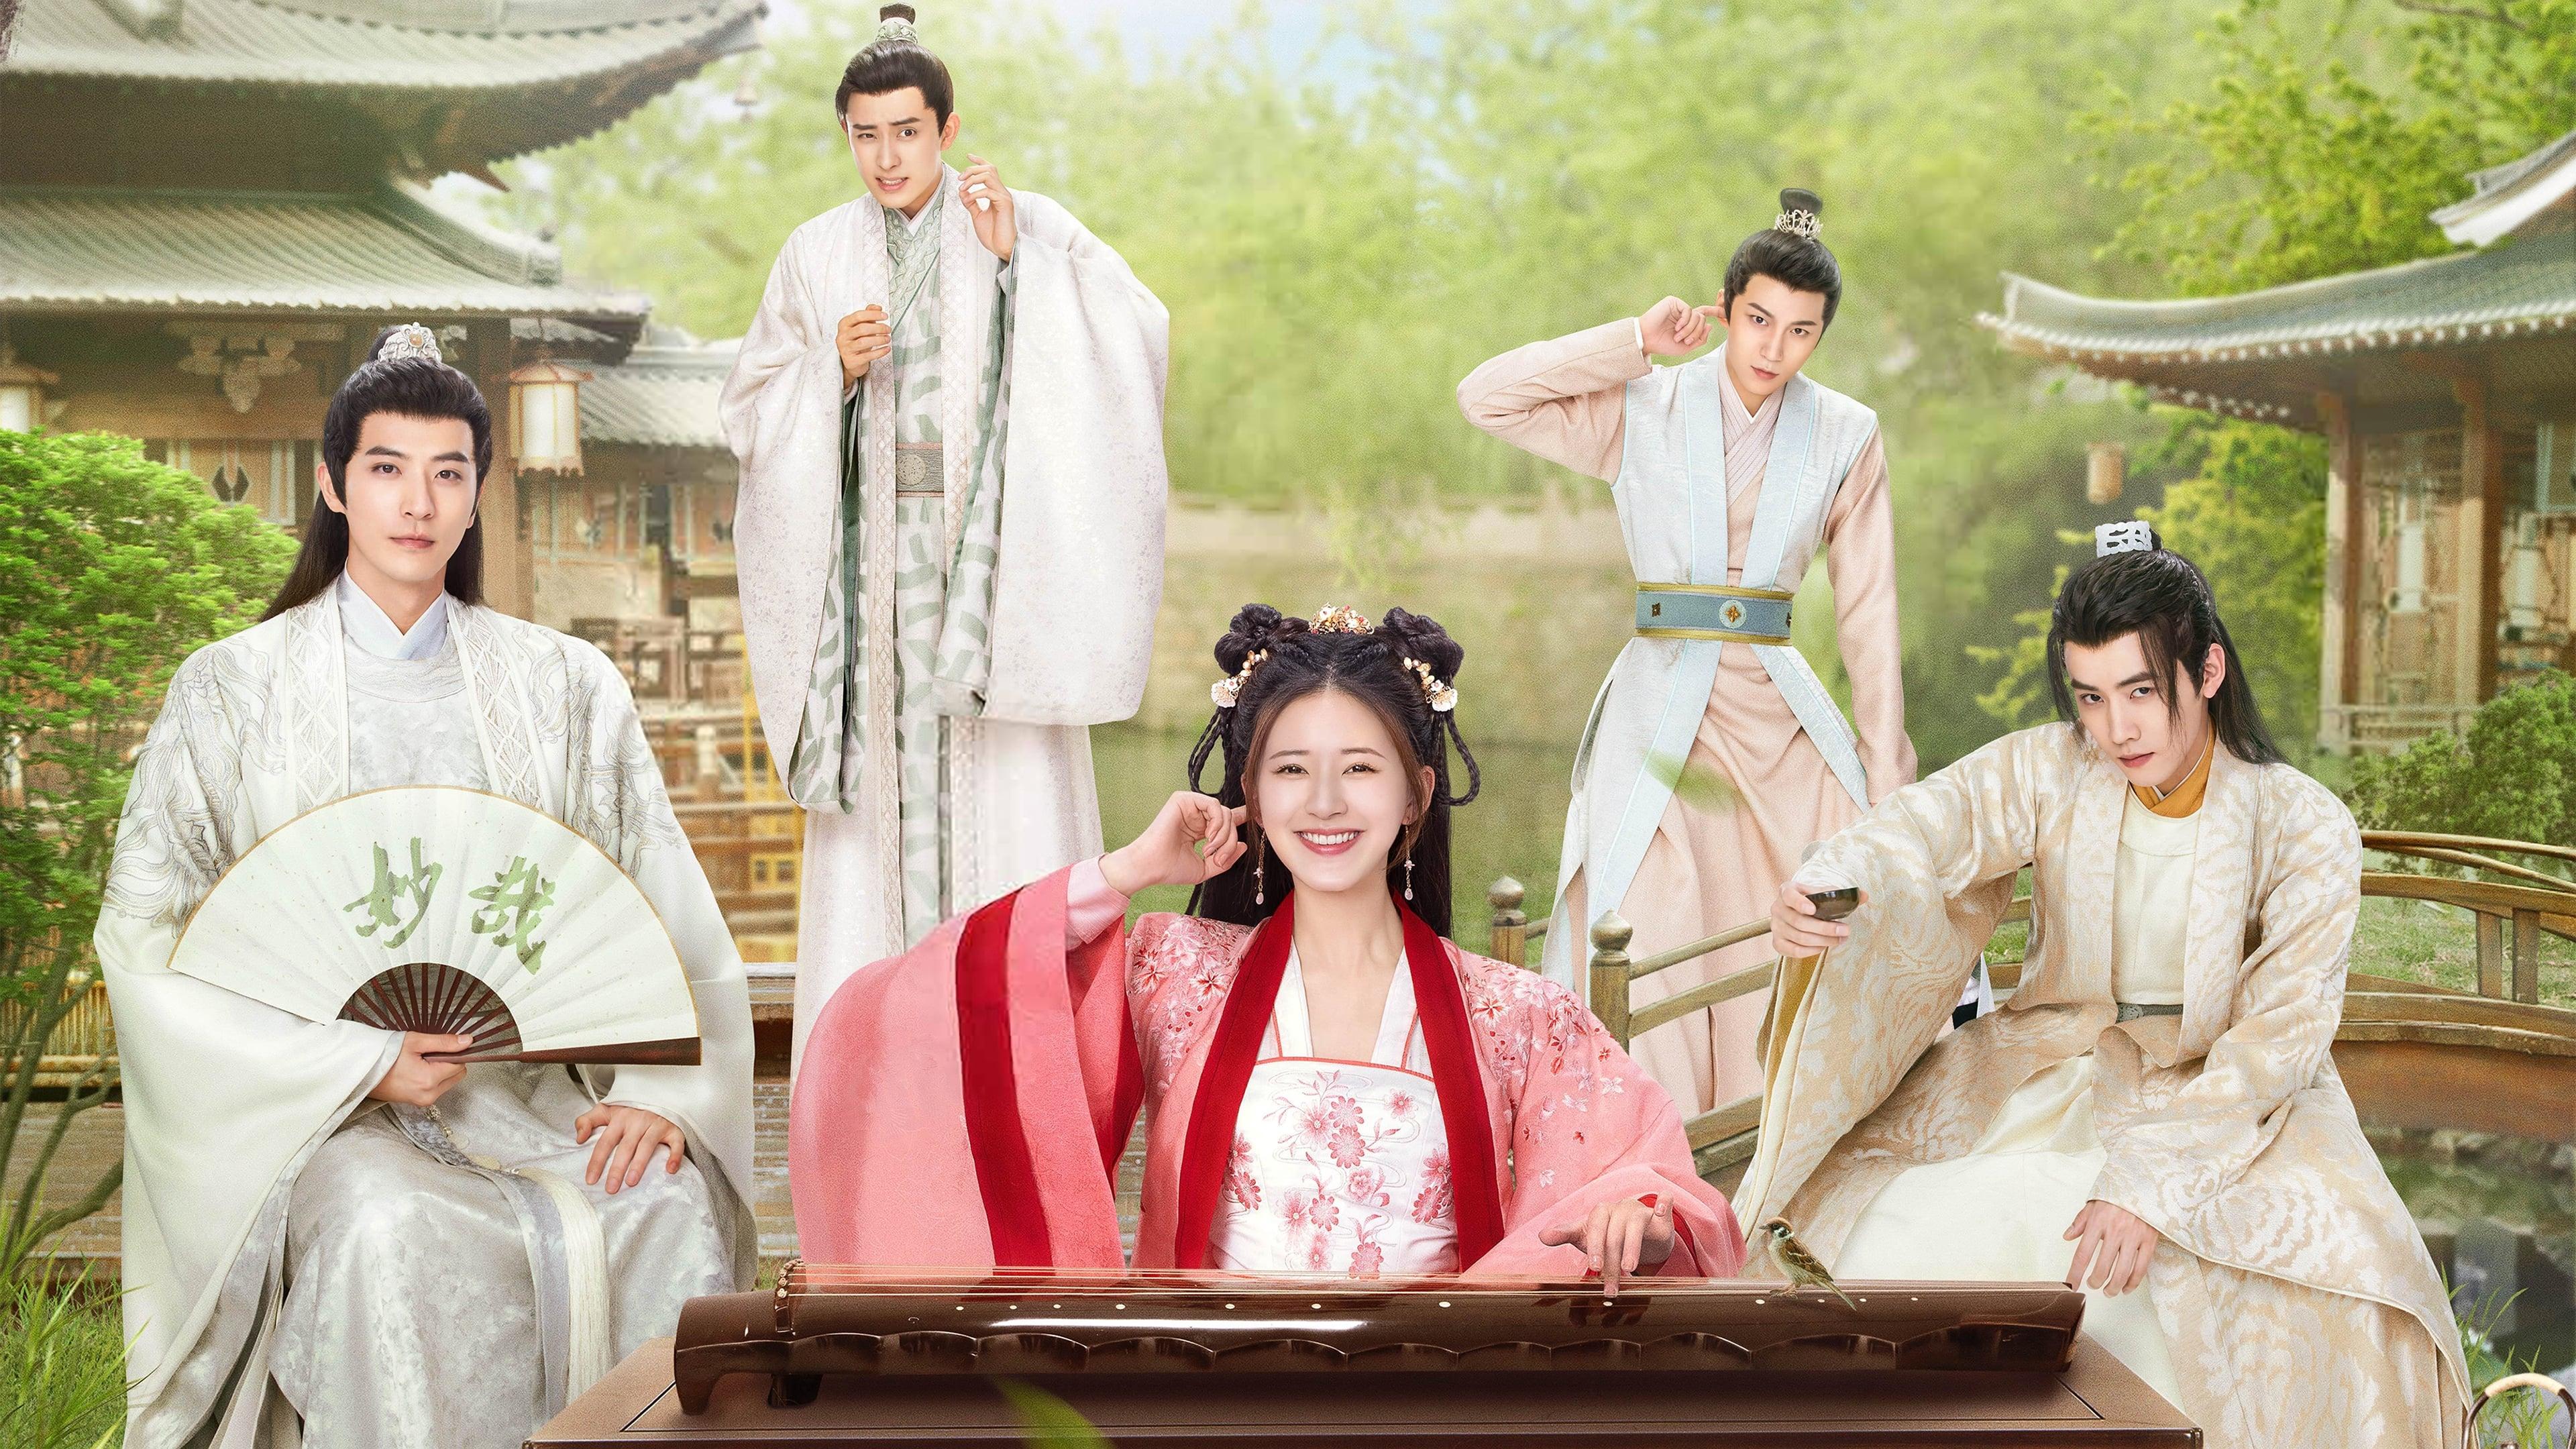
335,1231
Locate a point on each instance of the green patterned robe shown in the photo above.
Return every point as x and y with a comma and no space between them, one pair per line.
943,585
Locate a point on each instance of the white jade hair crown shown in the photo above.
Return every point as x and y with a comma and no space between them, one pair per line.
2127,536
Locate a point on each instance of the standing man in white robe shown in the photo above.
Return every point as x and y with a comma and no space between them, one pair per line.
330,1238
949,416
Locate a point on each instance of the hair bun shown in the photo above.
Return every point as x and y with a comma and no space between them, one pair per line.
1799,199
904,13
1255,627
1414,636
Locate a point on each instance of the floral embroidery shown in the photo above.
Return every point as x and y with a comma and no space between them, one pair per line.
1432,1204
1240,1184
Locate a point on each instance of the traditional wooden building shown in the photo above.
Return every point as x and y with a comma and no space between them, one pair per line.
208,206
2446,392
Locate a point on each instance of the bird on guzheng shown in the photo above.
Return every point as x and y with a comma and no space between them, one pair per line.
1800,1265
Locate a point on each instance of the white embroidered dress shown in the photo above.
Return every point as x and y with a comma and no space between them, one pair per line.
1338,1167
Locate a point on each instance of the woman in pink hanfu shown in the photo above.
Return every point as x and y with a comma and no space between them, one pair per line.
1330,1086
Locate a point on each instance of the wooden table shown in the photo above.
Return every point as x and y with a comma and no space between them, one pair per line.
2094,1404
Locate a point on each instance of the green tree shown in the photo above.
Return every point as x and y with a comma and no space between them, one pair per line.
2297,162
112,569
2510,776
2301,158
1342,236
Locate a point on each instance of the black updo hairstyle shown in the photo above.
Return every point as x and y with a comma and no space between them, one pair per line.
1370,668
411,387
890,65
2165,600
1800,263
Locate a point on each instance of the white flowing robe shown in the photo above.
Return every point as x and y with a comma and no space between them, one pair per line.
228,1100
1079,567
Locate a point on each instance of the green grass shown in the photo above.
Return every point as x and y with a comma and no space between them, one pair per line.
2438,946
62,1365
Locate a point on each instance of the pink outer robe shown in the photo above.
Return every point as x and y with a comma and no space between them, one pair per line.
964,1104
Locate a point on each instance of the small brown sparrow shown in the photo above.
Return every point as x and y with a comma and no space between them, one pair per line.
1800,1265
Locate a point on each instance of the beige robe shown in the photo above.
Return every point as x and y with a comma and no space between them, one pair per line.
2294,1293
1709,869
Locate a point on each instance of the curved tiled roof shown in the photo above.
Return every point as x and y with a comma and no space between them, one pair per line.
390,252
2527,287
249,41
662,395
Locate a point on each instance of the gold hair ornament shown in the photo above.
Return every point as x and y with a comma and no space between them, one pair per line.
1340,619
1229,689
1440,696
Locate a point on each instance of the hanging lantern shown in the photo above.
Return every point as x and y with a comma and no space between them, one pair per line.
2106,467
22,392
545,416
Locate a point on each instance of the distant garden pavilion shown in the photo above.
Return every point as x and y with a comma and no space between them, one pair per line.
210,206
2446,392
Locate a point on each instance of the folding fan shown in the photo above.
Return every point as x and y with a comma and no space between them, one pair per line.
437,909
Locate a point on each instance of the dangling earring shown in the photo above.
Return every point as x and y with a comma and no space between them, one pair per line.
1261,856
1408,875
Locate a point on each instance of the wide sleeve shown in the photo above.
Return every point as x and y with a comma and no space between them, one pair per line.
1586,1126
781,413
990,1072
1935,864
615,798
1084,484
1956,829
1860,558
2169,1161
782,374
1563,399
222,1093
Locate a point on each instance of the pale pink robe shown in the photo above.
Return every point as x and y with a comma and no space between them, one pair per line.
1709,870
886,1169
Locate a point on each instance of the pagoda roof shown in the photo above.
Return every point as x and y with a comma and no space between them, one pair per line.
530,73
2507,197
386,253
664,395
2262,354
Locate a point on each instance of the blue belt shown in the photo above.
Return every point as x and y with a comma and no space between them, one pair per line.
1706,611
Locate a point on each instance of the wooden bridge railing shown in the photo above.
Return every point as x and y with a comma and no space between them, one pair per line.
2505,1011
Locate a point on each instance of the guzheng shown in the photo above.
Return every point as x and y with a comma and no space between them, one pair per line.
821,1322
838,1358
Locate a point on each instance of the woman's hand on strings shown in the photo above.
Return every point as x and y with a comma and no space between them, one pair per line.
628,1138
862,339
416,1082
1193,838
1620,1237
1672,327
1796,929
2115,1243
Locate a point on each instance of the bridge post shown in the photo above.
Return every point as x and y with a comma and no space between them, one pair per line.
1609,978
1511,923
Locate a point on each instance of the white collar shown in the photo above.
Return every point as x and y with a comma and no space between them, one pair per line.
370,629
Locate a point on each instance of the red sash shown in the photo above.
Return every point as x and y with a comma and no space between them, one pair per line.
1455,1072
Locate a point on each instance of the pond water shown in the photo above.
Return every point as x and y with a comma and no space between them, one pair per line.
2499,1214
